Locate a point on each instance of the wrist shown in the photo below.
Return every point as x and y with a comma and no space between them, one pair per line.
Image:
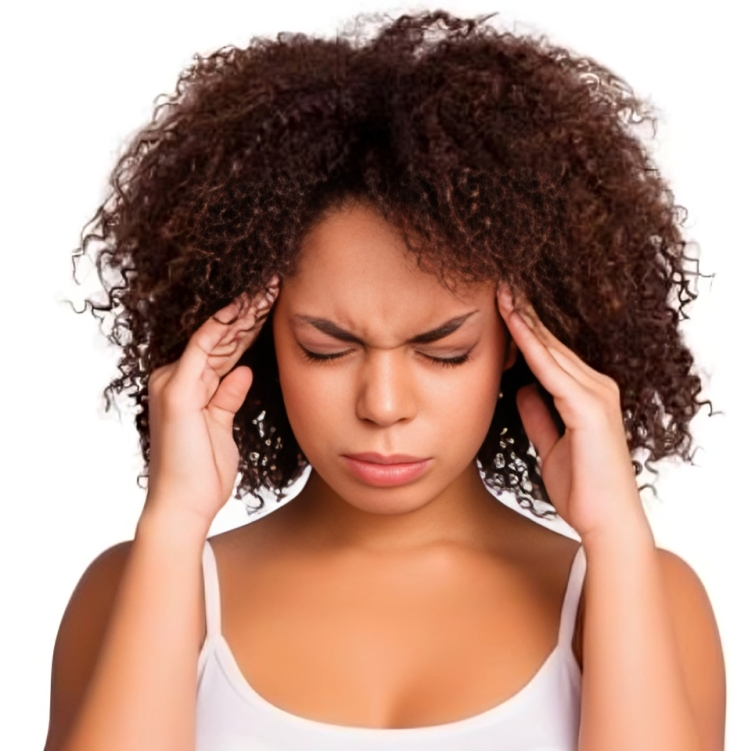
172,524
624,534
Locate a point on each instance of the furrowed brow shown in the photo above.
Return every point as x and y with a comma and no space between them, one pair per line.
332,329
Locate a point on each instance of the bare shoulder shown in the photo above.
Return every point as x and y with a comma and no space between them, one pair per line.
692,615
698,643
80,635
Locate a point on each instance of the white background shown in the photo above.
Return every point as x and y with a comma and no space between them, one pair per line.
78,78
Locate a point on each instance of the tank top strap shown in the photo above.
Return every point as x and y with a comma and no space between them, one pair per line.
212,593
571,597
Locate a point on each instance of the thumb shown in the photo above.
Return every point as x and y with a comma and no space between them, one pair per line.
230,395
537,420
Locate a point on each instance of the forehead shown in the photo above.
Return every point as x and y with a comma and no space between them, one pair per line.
354,268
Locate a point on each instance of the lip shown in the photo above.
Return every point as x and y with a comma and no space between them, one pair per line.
386,471
374,458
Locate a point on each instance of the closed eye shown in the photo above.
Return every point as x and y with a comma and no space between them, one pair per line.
445,361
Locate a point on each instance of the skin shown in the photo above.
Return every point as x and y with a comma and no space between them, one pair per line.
377,566
385,395
379,586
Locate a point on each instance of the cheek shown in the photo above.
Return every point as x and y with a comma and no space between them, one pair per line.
469,406
312,398
311,395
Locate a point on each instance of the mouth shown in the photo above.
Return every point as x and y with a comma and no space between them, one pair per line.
374,458
386,471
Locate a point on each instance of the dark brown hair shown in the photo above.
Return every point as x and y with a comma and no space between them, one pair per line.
498,156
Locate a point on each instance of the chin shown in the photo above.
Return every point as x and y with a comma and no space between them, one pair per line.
393,500
389,504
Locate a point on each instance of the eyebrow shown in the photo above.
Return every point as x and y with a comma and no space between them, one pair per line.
440,332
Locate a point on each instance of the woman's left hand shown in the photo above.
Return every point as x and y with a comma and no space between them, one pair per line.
587,472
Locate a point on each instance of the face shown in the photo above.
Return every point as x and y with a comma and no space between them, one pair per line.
356,377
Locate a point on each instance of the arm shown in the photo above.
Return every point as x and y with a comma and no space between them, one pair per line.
126,679
141,695
654,673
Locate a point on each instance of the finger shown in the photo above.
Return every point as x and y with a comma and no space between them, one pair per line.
569,359
537,420
230,395
248,328
239,335
556,380
215,341
226,354
219,343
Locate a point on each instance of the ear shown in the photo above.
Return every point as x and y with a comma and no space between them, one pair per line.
511,353
510,350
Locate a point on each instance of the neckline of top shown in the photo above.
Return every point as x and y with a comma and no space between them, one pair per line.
245,690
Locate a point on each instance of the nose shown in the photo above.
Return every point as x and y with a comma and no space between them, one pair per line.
385,393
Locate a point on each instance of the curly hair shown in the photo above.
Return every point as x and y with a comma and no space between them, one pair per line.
496,155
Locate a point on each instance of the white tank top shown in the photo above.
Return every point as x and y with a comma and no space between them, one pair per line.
542,716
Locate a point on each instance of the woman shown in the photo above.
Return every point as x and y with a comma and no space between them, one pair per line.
427,266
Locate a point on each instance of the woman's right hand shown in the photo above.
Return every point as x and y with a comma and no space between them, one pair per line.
192,403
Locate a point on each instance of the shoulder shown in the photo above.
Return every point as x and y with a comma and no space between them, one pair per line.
697,640
96,588
690,608
694,622
80,635
88,608
698,644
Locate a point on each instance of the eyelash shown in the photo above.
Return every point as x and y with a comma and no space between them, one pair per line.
447,362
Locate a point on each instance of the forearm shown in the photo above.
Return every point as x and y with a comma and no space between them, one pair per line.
142,693
633,693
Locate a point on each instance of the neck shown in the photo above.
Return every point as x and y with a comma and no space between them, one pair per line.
464,513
